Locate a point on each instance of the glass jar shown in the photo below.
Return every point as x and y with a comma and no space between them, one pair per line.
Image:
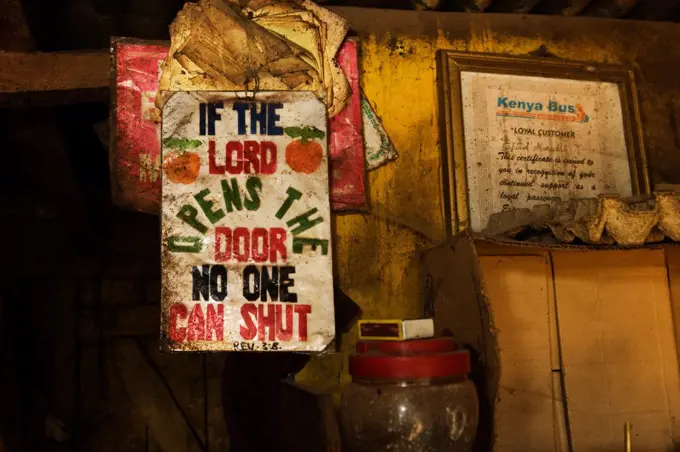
410,396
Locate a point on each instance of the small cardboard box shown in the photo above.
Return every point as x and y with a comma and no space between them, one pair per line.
568,342
395,329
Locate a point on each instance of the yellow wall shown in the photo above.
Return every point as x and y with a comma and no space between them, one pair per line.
377,253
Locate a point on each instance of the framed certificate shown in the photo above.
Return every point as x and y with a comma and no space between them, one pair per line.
518,132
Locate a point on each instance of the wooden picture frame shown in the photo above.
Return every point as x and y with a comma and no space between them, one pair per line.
451,67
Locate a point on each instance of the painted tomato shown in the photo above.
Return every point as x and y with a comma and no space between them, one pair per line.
304,155
181,167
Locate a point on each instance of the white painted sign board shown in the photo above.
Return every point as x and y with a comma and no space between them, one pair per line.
246,236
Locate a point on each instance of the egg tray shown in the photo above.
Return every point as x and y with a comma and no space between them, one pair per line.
605,220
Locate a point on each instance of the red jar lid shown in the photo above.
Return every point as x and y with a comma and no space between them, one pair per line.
435,345
429,358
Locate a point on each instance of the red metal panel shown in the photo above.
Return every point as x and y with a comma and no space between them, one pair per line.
135,146
346,146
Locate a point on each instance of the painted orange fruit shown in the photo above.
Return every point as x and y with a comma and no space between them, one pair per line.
181,167
304,155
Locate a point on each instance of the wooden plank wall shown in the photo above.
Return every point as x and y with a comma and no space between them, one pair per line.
132,396
79,358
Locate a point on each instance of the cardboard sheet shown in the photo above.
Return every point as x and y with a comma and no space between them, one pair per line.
618,349
569,345
519,293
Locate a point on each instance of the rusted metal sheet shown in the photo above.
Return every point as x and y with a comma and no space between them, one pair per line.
135,149
246,252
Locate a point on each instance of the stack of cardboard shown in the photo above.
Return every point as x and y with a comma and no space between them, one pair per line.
257,45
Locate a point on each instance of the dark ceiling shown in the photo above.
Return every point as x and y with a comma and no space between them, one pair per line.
80,24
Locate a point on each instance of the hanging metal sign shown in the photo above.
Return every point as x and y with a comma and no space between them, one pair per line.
246,237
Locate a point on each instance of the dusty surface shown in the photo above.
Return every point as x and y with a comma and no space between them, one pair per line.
377,253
